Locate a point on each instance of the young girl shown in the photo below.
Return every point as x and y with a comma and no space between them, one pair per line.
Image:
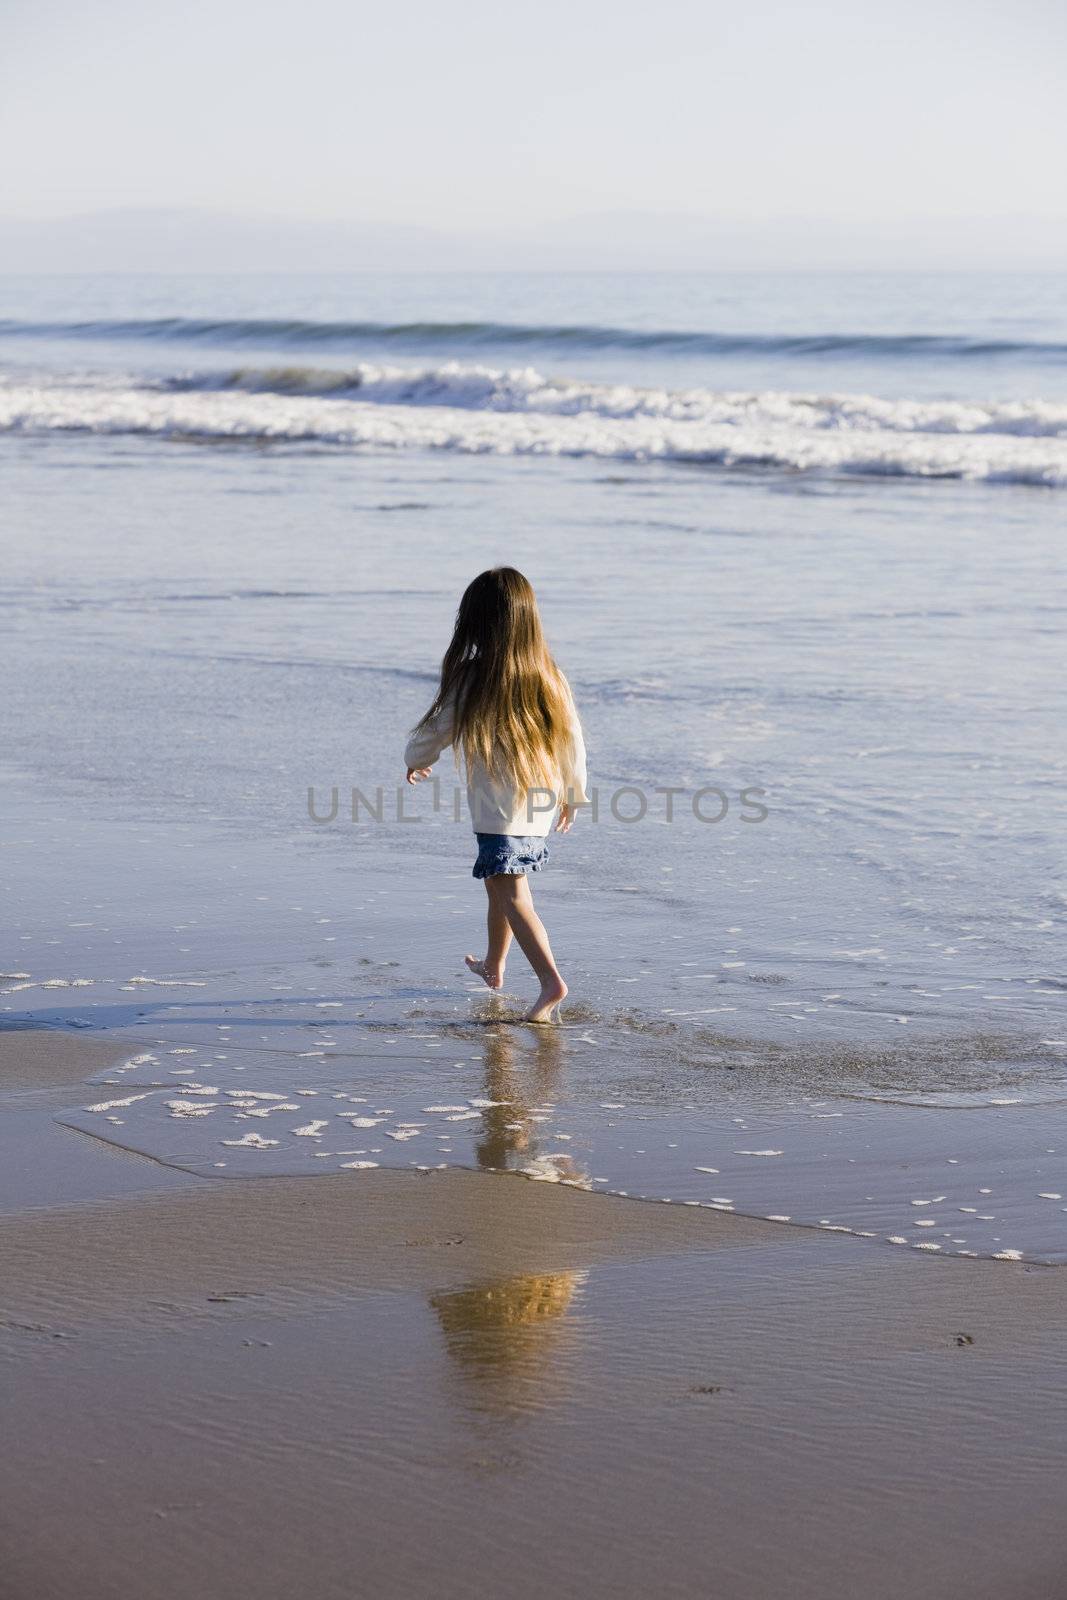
505,704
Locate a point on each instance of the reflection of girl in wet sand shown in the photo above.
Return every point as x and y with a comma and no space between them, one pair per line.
508,1335
505,704
508,1134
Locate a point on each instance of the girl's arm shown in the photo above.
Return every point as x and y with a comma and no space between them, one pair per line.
574,773
426,744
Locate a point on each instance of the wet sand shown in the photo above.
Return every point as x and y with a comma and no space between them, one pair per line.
41,1164
392,1384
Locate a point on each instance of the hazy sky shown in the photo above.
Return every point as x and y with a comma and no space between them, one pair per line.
485,112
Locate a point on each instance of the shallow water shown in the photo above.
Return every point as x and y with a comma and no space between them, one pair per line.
263,1019
430,1091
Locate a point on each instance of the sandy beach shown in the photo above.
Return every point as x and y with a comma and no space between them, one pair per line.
409,1383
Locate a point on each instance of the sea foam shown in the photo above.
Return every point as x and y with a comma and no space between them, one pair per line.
471,387
483,410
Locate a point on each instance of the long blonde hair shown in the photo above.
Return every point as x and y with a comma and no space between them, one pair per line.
513,710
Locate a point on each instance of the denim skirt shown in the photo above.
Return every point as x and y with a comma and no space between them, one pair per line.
509,853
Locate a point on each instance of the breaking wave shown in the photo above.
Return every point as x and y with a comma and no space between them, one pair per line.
474,410
482,388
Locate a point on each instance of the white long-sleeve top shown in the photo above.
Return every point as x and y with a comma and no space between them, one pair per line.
496,806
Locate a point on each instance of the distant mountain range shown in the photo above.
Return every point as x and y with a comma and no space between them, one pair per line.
164,240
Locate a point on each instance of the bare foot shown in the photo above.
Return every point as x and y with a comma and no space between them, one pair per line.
553,990
493,977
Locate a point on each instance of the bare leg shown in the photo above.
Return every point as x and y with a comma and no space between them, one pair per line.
491,970
511,891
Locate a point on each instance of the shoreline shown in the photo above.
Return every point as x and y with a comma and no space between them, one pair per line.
514,1127
533,1103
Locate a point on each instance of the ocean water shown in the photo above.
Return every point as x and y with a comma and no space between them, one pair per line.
799,546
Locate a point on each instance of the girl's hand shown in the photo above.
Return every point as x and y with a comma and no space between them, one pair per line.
565,820
416,774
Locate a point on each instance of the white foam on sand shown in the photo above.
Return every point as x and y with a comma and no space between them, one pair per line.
114,1105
